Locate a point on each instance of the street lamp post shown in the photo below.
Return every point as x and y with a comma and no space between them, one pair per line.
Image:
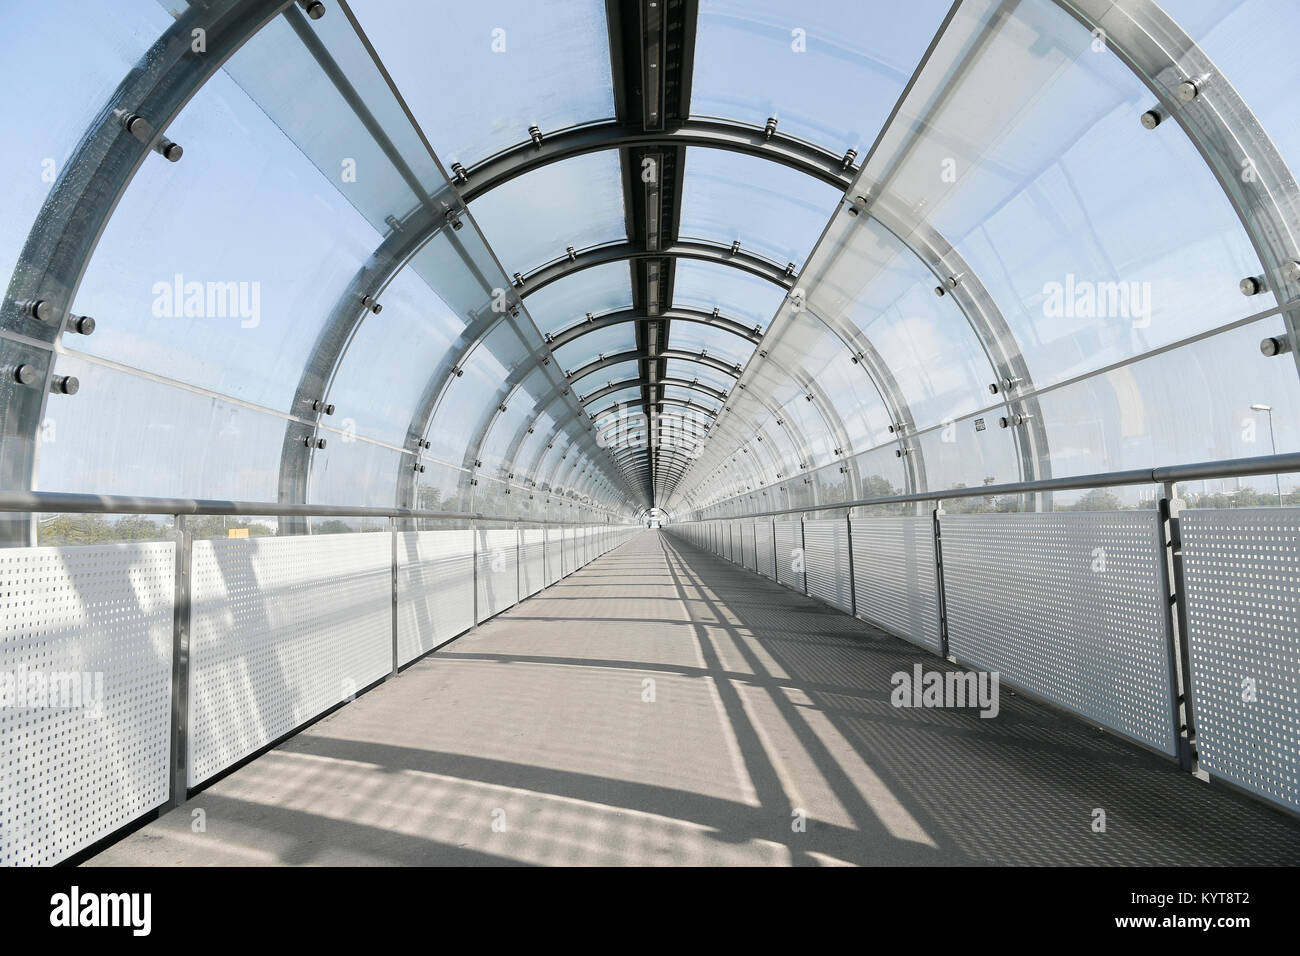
1272,443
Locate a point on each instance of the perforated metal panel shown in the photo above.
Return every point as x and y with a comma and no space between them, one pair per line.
498,571
1241,571
826,561
570,551
747,545
282,630
85,694
532,563
1068,606
435,589
763,548
789,554
894,576
554,555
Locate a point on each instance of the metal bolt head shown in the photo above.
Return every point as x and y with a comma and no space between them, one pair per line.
67,384
1291,271
82,324
172,152
940,291
1187,91
1251,286
315,9
40,310
1275,345
1151,119
25,375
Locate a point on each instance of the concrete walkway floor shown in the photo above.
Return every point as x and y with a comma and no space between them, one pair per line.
662,706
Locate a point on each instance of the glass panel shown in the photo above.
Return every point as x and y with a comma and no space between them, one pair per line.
219,270
695,372
882,288
598,290
493,70
774,211
1098,239
378,387
618,372
740,296
1249,42
830,72
608,341
531,219
697,337
97,45
690,395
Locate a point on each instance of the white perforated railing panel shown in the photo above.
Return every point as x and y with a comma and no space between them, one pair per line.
894,576
826,561
763,547
570,550
435,589
789,554
532,563
282,630
1241,570
85,694
498,580
1068,606
747,544
554,555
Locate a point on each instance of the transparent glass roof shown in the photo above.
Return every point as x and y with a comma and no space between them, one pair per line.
608,341
829,72
774,211
305,272
739,295
717,343
531,220
504,67
565,302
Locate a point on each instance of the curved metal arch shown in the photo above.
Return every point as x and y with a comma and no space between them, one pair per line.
74,214
808,159
710,134
557,339
593,256
613,387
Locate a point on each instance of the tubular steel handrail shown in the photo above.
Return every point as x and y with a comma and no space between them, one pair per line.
1227,468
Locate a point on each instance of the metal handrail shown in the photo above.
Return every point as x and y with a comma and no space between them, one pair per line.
1228,468
57,502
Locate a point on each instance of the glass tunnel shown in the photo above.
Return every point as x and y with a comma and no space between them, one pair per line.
334,330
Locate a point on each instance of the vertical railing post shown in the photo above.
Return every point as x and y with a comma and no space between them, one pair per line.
776,566
473,537
853,587
181,616
803,551
1179,654
941,595
393,533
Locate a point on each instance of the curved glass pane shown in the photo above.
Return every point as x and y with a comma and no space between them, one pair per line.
502,68
1249,42
608,341
53,107
532,219
717,343
233,306
738,295
565,302
773,210
829,72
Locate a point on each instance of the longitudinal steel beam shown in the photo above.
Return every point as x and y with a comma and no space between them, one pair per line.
613,387
72,218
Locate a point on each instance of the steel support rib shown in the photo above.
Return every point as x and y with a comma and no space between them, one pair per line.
720,322
67,228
